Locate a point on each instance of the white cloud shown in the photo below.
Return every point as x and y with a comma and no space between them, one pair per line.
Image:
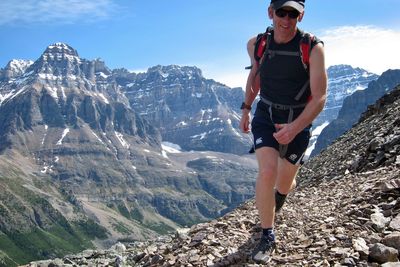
54,11
230,79
369,47
232,74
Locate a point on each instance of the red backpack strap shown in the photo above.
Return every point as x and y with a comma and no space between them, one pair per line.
305,51
261,45
305,48
259,48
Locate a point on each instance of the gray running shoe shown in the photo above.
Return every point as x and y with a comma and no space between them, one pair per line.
262,253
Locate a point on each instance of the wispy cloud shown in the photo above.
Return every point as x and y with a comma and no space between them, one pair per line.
54,11
369,47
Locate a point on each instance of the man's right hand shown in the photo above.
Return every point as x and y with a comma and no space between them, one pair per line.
245,121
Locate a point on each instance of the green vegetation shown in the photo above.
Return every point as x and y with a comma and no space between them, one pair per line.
123,210
53,242
120,227
91,229
5,261
137,215
160,228
32,229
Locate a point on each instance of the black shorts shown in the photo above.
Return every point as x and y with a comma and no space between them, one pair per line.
263,128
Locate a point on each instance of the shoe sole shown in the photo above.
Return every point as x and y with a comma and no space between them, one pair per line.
264,262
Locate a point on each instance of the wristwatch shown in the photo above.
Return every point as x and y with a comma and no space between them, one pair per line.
245,106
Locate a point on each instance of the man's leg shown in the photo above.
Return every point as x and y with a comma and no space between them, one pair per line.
286,181
267,158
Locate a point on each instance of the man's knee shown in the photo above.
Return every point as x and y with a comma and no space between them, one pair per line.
267,175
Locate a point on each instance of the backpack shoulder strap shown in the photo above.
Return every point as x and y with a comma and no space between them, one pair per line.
262,42
305,48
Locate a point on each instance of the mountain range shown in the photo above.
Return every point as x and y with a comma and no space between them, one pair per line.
79,163
90,155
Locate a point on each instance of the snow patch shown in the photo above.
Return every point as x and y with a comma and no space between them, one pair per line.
6,96
98,138
181,123
101,74
105,100
317,131
45,133
314,136
65,132
171,148
121,139
200,136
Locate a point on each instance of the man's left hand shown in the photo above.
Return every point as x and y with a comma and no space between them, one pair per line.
285,133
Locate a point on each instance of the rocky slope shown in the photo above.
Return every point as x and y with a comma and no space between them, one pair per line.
344,212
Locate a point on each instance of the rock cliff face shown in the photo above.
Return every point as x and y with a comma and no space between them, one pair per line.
354,105
344,212
189,110
343,80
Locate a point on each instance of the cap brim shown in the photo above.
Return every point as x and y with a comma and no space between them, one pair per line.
296,5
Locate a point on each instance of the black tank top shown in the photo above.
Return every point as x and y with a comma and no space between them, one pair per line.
282,76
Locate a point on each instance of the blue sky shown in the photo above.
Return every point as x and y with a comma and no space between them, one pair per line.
210,34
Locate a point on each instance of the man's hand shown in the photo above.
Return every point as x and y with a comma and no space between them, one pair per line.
285,133
245,121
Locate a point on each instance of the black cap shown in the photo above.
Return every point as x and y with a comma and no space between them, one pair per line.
296,4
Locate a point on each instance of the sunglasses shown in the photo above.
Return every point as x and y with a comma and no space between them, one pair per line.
293,14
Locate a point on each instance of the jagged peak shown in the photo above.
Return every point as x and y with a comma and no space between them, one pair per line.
61,48
60,52
16,67
347,68
176,69
18,64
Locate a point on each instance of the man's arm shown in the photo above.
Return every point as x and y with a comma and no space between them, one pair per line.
318,84
252,87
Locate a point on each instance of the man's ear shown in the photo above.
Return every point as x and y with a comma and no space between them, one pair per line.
270,12
300,16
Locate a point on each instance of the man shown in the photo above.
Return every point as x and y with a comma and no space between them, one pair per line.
282,120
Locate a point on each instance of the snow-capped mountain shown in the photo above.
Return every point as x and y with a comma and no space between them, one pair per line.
354,105
190,110
14,68
343,80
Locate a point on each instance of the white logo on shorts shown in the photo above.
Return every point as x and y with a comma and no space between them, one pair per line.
259,141
293,157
